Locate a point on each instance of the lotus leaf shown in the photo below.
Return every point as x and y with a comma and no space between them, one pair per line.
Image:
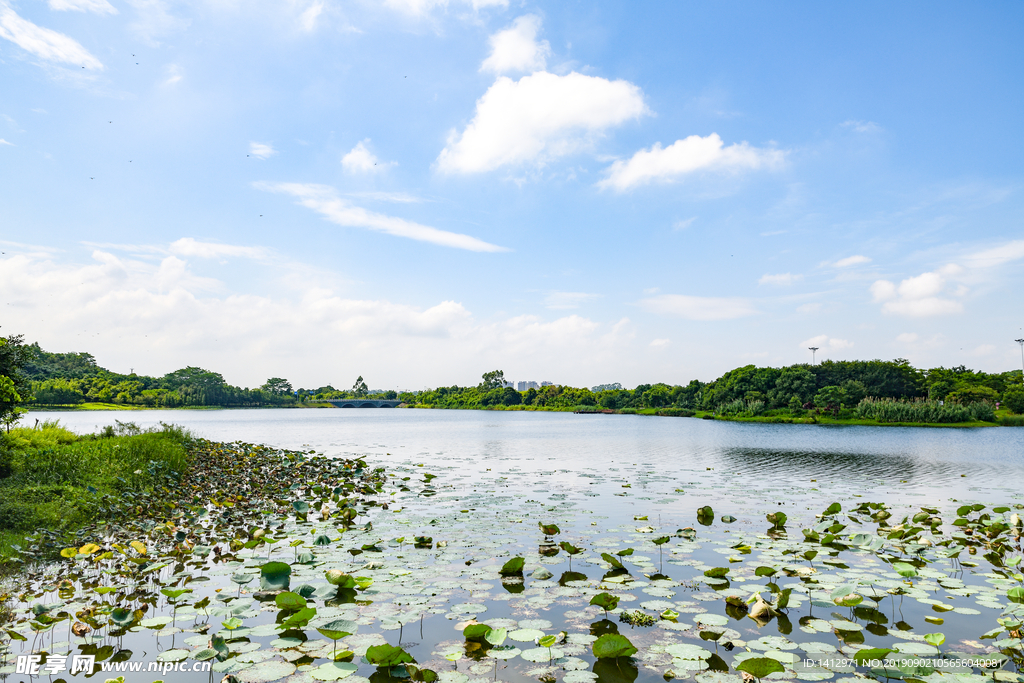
289,601
386,656
274,576
513,567
612,645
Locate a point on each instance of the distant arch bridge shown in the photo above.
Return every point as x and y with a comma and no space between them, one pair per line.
363,403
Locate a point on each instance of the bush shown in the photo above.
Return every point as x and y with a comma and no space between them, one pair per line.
1014,399
676,412
893,410
973,395
1012,421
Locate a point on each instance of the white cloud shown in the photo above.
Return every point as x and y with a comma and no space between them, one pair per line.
919,296
683,225
43,42
307,20
188,246
537,118
566,300
660,342
97,6
687,156
807,309
782,279
698,307
261,150
990,258
823,341
851,261
160,316
325,201
361,160
174,75
4,142
984,350
862,126
516,49
907,338
394,197
154,19
418,8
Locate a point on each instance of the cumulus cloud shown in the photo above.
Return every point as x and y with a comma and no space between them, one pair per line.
325,201
698,307
537,118
565,300
361,160
261,150
158,316
43,42
823,341
97,6
851,261
923,295
686,156
782,279
517,49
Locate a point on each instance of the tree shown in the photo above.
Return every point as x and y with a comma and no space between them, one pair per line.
830,398
975,394
1014,399
14,386
359,388
10,411
495,379
855,392
794,381
277,385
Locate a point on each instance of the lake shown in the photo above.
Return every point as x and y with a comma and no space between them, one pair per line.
624,489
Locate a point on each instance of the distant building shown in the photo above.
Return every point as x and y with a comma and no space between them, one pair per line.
547,384
525,385
508,383
521,386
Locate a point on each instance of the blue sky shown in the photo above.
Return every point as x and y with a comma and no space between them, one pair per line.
419,191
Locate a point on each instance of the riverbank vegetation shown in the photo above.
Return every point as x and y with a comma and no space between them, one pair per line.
877,391
53,482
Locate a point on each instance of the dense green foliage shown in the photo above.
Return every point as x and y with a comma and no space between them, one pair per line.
830,387
58,481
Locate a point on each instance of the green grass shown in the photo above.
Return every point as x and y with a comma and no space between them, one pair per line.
59,482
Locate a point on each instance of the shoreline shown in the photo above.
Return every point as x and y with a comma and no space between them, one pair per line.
647,412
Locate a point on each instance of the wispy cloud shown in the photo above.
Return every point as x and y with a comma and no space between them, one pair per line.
850,261
43,42
781,279
4,142
825,342
188,246
990,258
862,126
566,300
261,150
97,6
325,201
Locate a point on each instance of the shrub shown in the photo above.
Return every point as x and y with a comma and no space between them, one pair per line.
676,412
893,410
973,395
1014,399
1012,421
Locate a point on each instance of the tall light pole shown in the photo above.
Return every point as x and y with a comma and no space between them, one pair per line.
812,349
1021,342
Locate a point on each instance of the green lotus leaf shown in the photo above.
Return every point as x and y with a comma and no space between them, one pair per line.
386,656
759,667
612,645
275,576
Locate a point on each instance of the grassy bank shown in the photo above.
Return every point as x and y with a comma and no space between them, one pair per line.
54,481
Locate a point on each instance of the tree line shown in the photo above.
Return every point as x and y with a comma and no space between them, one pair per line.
30,375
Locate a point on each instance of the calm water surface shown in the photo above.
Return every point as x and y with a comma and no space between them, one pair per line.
611,482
